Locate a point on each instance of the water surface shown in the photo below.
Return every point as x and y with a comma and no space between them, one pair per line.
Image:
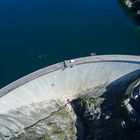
35,34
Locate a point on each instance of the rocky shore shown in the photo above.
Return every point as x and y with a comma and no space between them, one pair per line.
134,5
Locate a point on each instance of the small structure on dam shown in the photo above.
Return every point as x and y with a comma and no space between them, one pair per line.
83,98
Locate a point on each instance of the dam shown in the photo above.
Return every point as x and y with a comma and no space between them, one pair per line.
32,99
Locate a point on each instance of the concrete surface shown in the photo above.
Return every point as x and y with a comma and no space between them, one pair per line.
34,97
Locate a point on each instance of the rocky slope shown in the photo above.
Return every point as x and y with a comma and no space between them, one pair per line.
60,125
134,5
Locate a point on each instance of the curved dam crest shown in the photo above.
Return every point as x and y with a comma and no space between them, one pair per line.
36,96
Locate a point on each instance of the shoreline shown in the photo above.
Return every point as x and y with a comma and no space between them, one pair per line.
133,5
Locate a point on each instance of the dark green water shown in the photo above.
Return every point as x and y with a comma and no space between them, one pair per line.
37,33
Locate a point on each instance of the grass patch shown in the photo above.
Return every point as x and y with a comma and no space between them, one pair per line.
61,135
47,137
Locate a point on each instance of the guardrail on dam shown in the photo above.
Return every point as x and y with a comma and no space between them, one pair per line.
30,99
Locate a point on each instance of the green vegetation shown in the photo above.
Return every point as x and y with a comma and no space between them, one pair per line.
62,112
47,137
65,131
55,129
61,135
88,101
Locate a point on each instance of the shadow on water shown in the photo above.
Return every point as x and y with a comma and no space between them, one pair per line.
103,118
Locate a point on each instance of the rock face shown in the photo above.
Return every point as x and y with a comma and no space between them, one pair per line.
60,125
134,5
102,119
132,101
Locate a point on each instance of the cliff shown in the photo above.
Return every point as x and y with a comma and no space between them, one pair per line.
134,5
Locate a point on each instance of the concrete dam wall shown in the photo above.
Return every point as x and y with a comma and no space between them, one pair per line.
36,96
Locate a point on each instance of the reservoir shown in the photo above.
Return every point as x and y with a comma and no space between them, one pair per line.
35,34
